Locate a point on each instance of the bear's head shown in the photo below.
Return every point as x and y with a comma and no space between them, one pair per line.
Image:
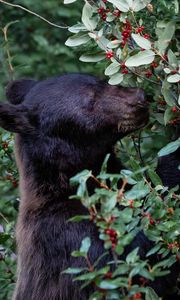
70,122
71,103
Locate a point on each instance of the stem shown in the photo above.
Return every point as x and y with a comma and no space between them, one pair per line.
121,191
102,185
91,268
33,13
9,57
138,148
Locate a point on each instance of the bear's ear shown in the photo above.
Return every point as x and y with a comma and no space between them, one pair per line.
17,89
17,118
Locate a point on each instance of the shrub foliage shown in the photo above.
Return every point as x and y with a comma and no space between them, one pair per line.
134,43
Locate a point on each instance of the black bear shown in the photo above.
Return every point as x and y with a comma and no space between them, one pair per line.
63,125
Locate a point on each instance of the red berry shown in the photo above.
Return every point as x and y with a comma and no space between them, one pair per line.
149,74
162,102
104,16
146,36
105,1
108,275
151,221
174,72
123,66
15,184
107,231
131,202
117,13
137,296
100,10
5,145
113,246
112,239
109,54
140,29
123,44
174,109
125,71
154,65
165,57
113,233
107,10
125,34
112,219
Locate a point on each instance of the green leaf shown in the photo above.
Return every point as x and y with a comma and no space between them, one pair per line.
4,237
92,57
153,250
141,41
77,40
69,1
112,284
166,37
139,4
87,13
167,93
169,148
142,58
73,271
138,191
132,256
172,58
173,78
112,69
150,294
77,28
126,5
168,115
116,79
82,176
122,5
78,218
156,180
85,245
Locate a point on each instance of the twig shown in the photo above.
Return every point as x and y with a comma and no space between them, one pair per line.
4,218
138,148
9,57
102,185
33,13
121,191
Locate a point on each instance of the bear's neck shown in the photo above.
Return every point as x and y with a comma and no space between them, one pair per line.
44,183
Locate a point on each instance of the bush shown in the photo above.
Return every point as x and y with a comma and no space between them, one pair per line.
136,43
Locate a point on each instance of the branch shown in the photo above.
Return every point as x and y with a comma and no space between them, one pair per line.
33,13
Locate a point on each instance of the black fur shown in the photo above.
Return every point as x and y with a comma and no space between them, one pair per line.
64,125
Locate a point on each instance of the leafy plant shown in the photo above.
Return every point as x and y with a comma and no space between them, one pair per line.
134,43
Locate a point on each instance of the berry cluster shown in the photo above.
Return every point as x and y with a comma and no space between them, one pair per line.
123,67
140,29
126,33
103,12
112,236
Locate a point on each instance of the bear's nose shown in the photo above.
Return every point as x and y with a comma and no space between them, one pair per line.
141,100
